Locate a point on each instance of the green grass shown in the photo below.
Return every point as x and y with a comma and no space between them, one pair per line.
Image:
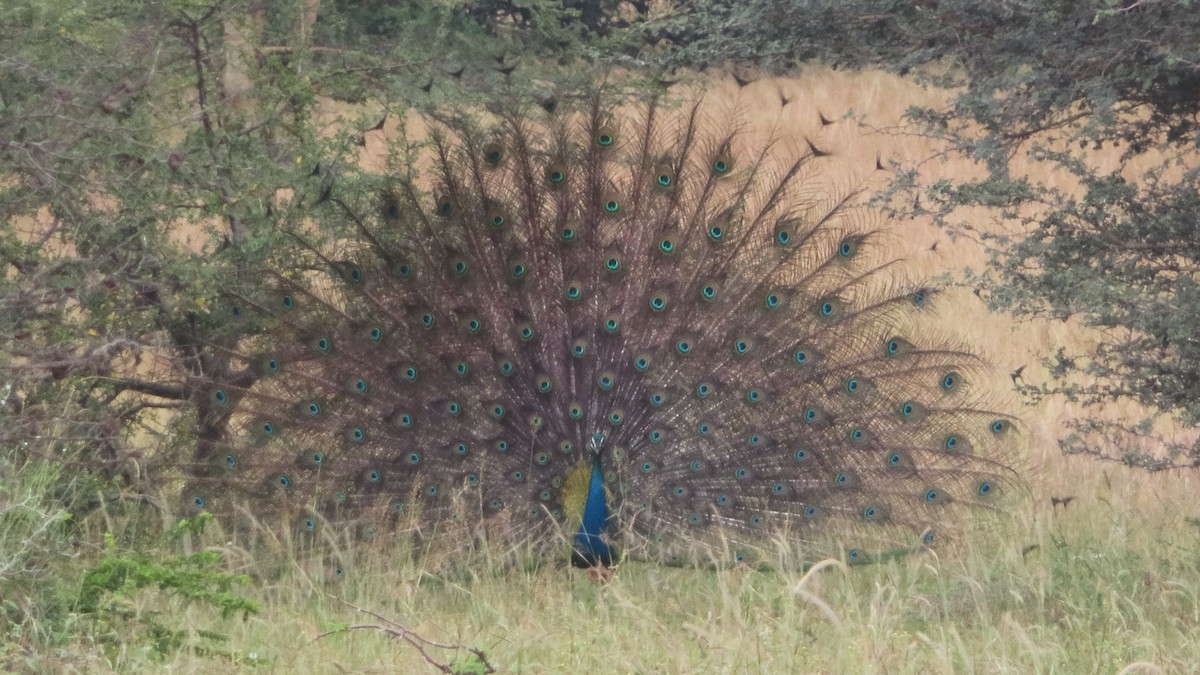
1113,585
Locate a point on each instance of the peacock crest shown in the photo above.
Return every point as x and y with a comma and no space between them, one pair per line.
618,323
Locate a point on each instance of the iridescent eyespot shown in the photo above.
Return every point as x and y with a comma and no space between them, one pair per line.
950,381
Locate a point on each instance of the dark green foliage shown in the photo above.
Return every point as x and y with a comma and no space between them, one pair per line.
120,576
193,577
52,598
449,52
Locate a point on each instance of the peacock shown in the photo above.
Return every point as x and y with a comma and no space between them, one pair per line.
609,325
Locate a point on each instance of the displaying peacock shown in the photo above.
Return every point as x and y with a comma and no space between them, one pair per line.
610,326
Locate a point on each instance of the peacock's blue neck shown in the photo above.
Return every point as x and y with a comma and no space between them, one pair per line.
590,549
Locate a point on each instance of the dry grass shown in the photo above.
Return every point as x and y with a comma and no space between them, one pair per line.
1109,582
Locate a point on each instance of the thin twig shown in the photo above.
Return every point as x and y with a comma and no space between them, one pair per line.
394,629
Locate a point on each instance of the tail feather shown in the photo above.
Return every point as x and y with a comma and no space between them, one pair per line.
615,294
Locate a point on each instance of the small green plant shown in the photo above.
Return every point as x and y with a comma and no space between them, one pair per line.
110,592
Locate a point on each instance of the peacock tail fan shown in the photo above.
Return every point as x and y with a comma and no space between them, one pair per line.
623,327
